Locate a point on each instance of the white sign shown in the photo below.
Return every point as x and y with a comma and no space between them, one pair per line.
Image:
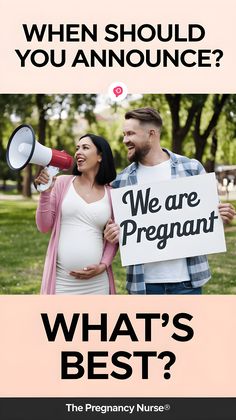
168,220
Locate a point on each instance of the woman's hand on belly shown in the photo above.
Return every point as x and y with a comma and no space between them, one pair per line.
87,273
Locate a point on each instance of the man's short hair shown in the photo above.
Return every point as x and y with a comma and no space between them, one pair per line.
145,115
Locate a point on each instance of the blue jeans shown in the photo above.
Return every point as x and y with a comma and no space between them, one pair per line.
182,288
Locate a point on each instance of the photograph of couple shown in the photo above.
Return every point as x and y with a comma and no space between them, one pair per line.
75,208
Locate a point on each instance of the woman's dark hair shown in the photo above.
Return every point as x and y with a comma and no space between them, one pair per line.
106,172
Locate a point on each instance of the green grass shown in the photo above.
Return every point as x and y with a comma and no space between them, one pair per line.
23,249
223,266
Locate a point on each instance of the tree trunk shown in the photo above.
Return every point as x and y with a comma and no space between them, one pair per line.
176,143
40,99
200,143
27,179
210,163
179,132
201,139
19,183
4,184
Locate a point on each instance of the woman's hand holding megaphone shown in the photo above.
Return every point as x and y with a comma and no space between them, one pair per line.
43,179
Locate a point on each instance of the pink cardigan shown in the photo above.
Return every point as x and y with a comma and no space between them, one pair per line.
48,218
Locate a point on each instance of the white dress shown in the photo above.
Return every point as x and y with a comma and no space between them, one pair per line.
81,243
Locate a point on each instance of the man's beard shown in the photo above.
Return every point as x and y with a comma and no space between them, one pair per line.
139,154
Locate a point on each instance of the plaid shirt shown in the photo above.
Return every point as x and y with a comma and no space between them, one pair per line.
198,267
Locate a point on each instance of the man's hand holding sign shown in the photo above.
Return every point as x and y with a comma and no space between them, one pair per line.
169,220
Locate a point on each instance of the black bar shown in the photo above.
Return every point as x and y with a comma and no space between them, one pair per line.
144,408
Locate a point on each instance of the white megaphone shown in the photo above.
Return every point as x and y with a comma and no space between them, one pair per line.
22,149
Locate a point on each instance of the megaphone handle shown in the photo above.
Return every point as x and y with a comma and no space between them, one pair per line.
52,171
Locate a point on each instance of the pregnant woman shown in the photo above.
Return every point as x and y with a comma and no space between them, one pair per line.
76,209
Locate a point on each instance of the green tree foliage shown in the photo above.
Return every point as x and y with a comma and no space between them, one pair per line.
110,126
201,126
6,127
193,123
226,133
46,114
